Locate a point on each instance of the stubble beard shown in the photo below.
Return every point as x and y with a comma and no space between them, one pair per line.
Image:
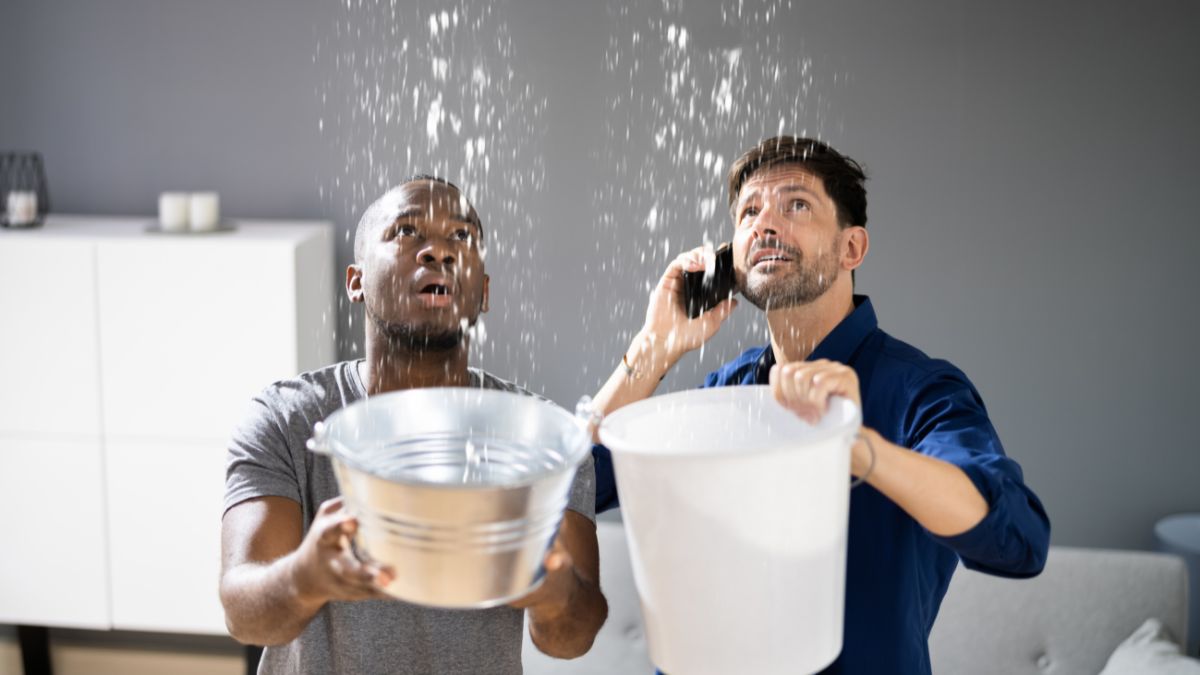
802,286
415,337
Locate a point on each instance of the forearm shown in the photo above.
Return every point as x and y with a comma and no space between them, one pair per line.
262,603
937,494
650,361
568,631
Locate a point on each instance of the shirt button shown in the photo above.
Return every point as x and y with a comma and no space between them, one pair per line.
1043,661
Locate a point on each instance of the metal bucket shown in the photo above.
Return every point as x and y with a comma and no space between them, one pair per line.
460,491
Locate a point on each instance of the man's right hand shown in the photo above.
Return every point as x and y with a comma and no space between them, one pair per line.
325,568
275,577
666,336
668,328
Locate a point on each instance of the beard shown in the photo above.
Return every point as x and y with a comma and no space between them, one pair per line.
419,337
800,285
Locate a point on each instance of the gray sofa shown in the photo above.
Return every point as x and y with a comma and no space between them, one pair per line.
1066,621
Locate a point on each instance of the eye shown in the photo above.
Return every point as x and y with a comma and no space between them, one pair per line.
461,234
399,230
798,205
748,212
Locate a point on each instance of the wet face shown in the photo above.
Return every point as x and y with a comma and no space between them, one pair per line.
787,243
420,268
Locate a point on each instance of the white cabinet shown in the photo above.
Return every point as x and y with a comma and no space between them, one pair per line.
54,568
190,330
127,359
48,359
164,512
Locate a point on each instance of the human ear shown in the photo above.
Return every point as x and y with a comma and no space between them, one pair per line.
855,243
354,287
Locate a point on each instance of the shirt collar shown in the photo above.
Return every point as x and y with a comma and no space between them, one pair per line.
841,343
844,340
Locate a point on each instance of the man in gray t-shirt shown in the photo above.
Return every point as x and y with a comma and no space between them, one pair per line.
288,577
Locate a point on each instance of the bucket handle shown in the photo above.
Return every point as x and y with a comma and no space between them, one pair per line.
870,467
587,416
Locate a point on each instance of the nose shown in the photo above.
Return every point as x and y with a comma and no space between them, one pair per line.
436,251
765,224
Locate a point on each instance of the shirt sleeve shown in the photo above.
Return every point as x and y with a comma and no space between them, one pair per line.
606,480
258,463
948,421
583,491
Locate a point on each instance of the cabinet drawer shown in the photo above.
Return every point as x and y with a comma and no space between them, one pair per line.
48,348
190,330
54,571
164,509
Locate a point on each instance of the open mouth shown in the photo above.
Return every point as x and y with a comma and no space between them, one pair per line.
772,258
769,257
436,296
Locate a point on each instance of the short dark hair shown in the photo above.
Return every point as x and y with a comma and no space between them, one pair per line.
843,177
372,214
416,177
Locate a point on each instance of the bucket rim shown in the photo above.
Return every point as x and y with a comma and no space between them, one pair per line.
326,435
621,447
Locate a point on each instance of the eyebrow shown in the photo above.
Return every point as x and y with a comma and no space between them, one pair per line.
797,188
792,187
414,211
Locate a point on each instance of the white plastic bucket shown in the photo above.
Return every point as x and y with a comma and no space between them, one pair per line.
736,513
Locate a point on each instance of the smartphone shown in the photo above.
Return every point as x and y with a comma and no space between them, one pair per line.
703,289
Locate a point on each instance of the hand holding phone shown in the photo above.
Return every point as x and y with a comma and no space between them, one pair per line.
704,289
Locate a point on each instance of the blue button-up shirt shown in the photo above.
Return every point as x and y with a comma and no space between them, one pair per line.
897,571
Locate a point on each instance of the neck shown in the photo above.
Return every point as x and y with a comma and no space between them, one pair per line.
796,331
390,366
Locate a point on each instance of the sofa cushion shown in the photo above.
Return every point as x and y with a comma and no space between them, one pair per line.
1067,620
1150,651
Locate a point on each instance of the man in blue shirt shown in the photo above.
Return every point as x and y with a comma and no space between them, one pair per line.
938,487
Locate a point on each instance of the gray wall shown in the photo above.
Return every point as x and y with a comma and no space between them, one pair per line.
1031,170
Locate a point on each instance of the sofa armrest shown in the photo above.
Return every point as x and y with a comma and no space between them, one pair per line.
1068,619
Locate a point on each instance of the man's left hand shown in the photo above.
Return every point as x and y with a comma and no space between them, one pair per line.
553,597
566,611
805,387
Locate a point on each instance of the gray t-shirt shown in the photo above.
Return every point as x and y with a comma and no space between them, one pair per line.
268,457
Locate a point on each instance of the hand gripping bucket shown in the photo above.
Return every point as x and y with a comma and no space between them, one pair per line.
736,513
461,490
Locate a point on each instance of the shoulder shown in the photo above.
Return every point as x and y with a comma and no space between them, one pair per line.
738,370
312,387
907,390
299,401
486,380
904,364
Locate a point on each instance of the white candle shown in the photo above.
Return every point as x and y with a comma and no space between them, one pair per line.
173,211
21,208
206,211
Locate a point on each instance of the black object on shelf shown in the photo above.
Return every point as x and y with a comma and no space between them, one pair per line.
22,178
